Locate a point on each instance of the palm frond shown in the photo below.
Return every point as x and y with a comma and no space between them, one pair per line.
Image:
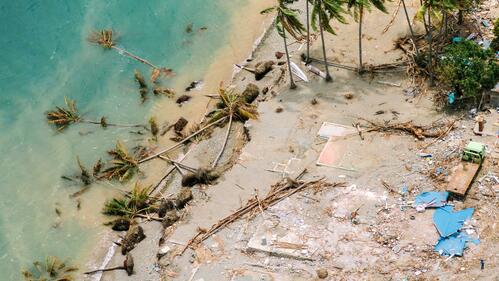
102,37
123,165
131,204
52,269
62,117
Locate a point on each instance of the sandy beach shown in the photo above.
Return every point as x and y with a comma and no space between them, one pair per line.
386,242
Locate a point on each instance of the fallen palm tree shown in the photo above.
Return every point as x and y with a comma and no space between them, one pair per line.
277,193
52,269
123,164
62,117
105,39
420,132
132,204
234,106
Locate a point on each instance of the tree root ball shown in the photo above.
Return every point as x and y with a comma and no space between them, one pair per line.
165,206
170,218
134,235
251,93
262,68
183,197
120,224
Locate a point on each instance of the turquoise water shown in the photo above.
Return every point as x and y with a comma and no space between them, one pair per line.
44,57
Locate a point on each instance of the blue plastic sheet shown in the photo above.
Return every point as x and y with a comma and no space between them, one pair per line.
451,97
454,245
449,222
431,199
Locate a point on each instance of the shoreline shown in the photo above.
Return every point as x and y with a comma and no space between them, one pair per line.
221,69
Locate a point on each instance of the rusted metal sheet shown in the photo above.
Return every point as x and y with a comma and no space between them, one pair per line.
461,177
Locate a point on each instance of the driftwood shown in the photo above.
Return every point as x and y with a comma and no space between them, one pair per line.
418,131
128,266
278,192
215,162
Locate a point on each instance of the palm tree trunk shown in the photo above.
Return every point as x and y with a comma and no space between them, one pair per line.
410,28
361,10
308,35
226,139
291,81
460,17
127,53
328,76
430,51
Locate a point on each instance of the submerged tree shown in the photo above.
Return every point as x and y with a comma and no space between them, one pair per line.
358,14
105,39
287,21
323,12
62,117
53,269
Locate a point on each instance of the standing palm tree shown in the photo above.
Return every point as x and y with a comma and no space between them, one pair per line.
358,14
324,11
287,20
428,10
410,28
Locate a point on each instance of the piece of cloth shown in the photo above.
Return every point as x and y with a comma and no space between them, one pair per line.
431,199
449,222
454,244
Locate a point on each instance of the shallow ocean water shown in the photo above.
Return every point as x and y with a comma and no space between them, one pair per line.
44,57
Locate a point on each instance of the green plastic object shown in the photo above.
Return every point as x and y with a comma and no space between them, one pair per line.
474,152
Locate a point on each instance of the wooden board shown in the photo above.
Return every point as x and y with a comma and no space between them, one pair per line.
461,177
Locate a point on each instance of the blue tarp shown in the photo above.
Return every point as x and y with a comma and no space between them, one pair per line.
431,199
449,222
454,244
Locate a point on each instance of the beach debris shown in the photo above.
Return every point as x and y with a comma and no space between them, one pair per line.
430,199
262,68
133,236
348,96
194,85
52,269
448,222
131,204
322,273
85,175
316,71
182,99
379,112
314,101
279,55
170,218
121,224
254,206
200,176
153,126
183,197
420,132
123,165
251,93
168,92
295,69
279,109
128,265
454,244
329,130
104,38
188,27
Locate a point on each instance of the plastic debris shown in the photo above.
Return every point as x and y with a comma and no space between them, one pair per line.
425,155
451,97
449,222
454,245
430,199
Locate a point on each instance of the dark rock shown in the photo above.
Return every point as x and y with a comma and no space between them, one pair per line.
165,206
193,85
279,109
201,176
278,55
128,264
170,218
265,90
121,225
281,63
183,98
262,68
180,124
183,197
251,93
134,235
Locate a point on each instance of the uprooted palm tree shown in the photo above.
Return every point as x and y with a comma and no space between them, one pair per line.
134,203
287,21
123,165
105,39
358,15
232,105
128,266
52,269
62,117
323,12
